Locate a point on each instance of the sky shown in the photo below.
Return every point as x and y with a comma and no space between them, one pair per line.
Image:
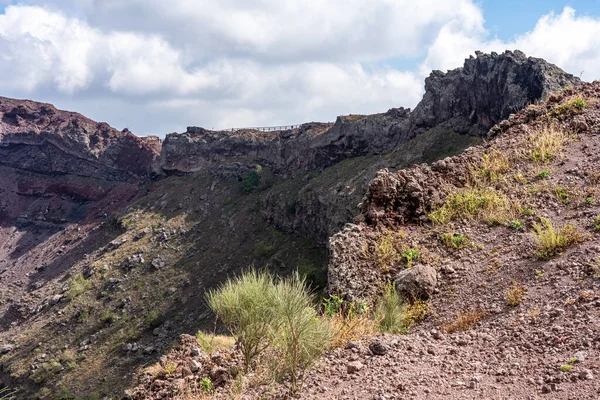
156,66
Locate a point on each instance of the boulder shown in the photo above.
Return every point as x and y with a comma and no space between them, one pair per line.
417,282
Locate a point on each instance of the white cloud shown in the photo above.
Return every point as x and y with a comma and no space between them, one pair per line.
158,66
572,42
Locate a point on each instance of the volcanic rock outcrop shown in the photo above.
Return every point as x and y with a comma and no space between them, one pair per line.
37,137
471,99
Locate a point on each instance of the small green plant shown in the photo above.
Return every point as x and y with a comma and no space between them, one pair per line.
565,368
516,225
170,367
359,307
528,212
550,241
389,313
77,286
332,305
544,174
453,241
546,144
385,250
206,385
575,105
410,255
589,200
539,273
597,223
562,194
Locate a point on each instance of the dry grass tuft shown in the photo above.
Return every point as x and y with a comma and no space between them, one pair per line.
346,329
464,321
514,295
210,342
547,144
388,249
489,205
492,168
551,241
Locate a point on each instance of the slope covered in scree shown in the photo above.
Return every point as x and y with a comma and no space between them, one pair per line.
504,240
102,267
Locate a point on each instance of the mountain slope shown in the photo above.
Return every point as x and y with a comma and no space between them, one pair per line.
107,256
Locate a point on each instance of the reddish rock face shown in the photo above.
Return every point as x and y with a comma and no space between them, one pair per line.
38,137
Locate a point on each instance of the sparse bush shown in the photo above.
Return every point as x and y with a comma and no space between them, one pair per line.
528,212
464,321
394,315
153,319
300,337
575,105
453,241
491,168
514,295
547,143
386,251
77,286
211,342
259,179
565,368
472,203
562,195
108,317
245,305
551,242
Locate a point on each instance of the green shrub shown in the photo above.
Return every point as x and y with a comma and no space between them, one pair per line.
516,225
332,305
206,385
108,317
77,286
301,337
259,179
453,241
544,174
393,315
245,305
410,255
597,222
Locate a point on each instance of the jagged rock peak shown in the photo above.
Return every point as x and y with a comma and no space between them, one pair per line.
485,90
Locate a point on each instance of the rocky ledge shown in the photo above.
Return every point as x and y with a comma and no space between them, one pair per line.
39,138
470,100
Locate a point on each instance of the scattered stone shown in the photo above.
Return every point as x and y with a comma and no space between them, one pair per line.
354,366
